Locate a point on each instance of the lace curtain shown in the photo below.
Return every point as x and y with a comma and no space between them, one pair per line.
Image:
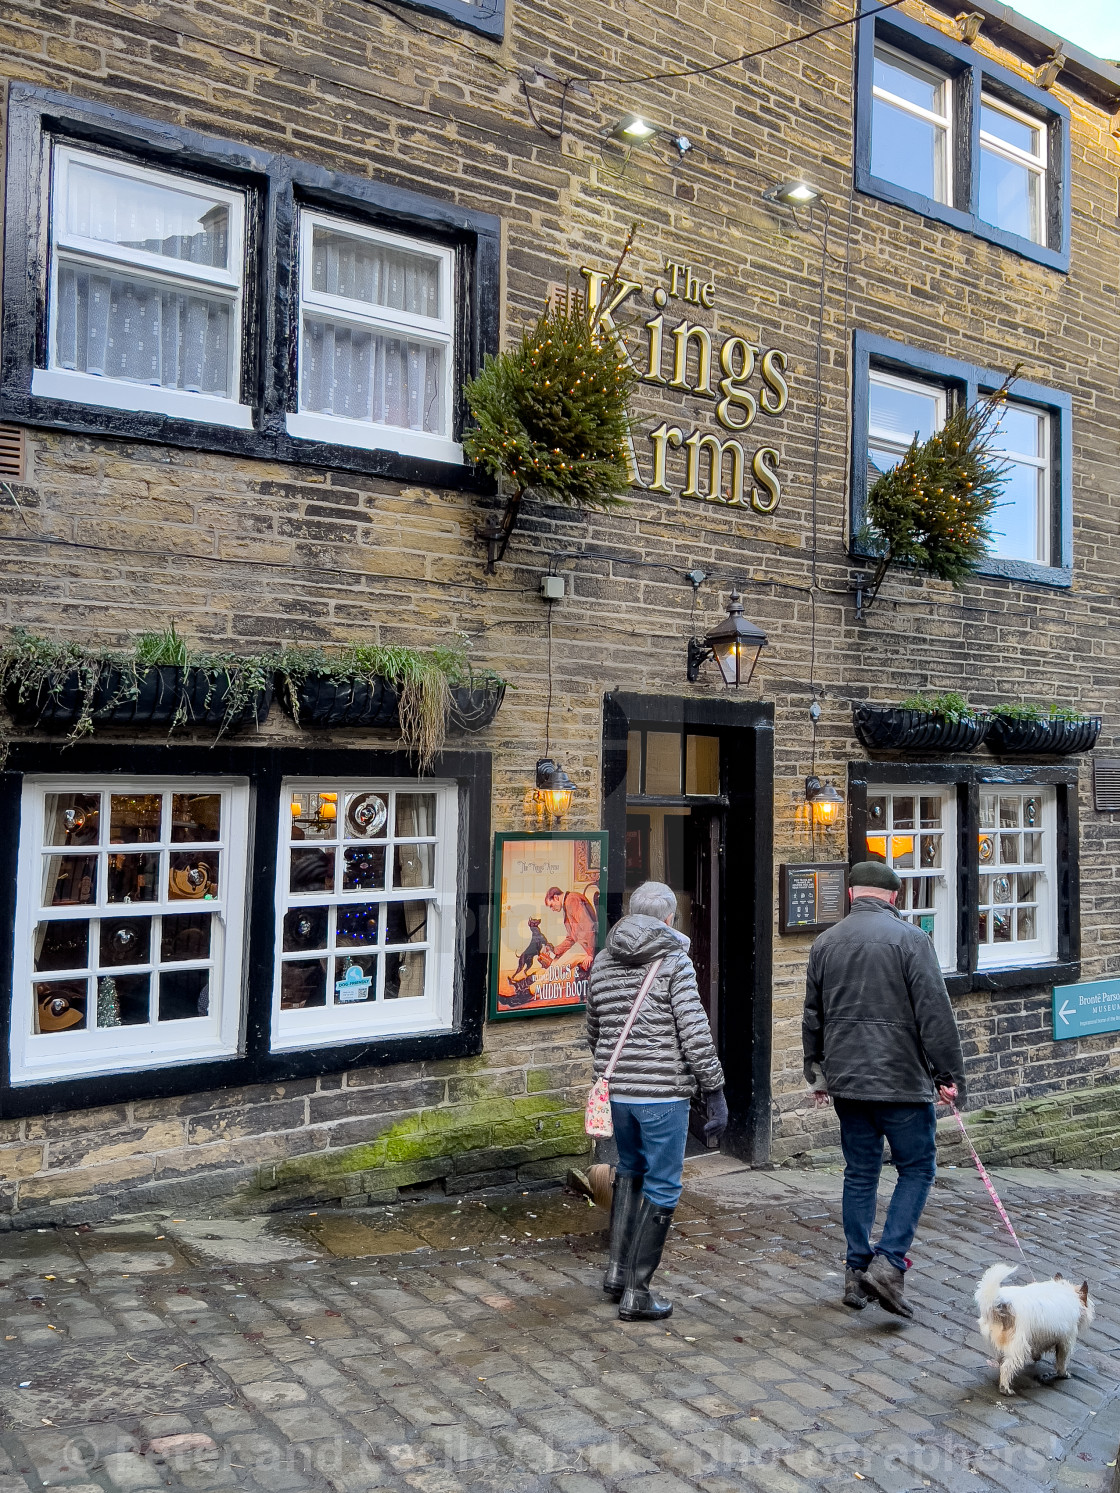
124,327
366,375
373,273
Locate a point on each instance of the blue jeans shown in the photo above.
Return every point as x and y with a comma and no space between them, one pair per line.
651,1139
912,1132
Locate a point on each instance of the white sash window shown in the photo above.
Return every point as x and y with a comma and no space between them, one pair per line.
376,340
129,924
365,910
913,830
146,291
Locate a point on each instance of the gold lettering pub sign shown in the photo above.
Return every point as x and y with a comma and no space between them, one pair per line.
687,352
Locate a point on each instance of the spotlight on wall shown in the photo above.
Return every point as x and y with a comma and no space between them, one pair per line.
825,803
734,643
634,130
968,26
554,787
796,193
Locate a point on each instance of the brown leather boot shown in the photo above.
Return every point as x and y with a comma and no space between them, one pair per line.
885,1282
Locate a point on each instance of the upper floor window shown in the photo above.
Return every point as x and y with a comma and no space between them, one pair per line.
943,131
911,134
145,299
129,921
376,340
902,393
1012,170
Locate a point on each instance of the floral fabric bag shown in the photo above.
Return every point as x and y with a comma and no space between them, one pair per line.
597,1116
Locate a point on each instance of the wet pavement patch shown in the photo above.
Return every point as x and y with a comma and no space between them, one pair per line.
75,1385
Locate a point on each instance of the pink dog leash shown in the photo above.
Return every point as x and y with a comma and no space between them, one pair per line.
987,1181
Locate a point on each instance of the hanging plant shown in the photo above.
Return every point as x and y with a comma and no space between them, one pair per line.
944,723
551,414
422,692
159,680
1058,730
932,511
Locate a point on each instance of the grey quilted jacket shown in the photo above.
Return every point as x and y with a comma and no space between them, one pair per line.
669,1053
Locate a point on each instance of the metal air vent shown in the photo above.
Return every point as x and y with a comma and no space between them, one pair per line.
13,453
1106,784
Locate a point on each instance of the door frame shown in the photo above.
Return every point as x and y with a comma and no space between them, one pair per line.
745,1027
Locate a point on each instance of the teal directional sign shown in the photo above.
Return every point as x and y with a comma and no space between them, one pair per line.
1086,1009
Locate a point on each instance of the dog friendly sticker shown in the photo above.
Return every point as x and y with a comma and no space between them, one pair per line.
1088,1008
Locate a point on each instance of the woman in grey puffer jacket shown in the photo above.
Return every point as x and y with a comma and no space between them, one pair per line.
668,1056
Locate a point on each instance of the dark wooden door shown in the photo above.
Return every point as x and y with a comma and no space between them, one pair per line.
704,851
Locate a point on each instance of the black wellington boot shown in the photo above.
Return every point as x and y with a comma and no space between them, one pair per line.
625,1202
638,1303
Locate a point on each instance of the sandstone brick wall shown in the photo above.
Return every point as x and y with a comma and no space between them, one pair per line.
148,535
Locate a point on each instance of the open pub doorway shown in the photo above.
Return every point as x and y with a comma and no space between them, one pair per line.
687,801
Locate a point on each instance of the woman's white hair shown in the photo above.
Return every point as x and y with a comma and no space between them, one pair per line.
653,899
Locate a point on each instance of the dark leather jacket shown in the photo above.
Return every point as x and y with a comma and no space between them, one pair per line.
877,1020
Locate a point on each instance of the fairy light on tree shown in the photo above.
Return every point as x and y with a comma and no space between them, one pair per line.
932,511
551,415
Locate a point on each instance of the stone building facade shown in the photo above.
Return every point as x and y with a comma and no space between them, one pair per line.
964,224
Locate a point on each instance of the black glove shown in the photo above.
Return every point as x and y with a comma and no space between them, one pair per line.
715,1115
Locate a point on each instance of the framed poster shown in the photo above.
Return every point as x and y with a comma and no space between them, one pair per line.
812,897
549,920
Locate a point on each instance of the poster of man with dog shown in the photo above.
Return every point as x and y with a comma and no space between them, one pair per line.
549,920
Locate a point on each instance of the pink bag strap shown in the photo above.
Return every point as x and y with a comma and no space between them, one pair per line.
650,976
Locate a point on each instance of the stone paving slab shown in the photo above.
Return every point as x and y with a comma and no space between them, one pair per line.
466,1348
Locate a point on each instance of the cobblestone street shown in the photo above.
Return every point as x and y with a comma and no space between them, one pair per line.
438,1347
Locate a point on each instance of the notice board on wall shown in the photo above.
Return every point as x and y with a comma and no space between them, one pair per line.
811,896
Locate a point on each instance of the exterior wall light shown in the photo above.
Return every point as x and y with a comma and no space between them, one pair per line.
792,193
734,644
554,788
634,130
825,804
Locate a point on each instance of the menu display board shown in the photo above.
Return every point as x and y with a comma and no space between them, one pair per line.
811,896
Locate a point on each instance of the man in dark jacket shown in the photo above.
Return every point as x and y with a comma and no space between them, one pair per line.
667,1057
880,1037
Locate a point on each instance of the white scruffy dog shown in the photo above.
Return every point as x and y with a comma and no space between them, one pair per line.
1024,1322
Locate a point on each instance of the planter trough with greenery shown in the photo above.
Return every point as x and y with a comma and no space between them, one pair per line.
1057,730
74,688
944,723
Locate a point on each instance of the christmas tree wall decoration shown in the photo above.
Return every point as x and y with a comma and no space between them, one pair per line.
551,415
108,1002
932,511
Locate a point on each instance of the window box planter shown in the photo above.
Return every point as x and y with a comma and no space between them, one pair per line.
324,702
164,695
892,728
1010,737
474,706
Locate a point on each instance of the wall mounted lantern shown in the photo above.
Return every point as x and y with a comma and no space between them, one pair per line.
734,644
554,788
825,804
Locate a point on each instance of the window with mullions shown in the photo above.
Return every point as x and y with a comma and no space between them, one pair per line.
146,290
1016,921
129,922
952,136
911,131
376,340
671,764
365,910
902,392
913,830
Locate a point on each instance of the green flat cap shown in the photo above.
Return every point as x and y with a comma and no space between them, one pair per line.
874,873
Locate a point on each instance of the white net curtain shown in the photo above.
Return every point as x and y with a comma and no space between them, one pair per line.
123,326
359,371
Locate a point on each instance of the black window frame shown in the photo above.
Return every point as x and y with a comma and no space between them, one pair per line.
256,1063
487,17
275,187
968,779
972,76
967,382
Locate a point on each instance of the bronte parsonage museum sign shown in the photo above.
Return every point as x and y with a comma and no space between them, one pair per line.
312,822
